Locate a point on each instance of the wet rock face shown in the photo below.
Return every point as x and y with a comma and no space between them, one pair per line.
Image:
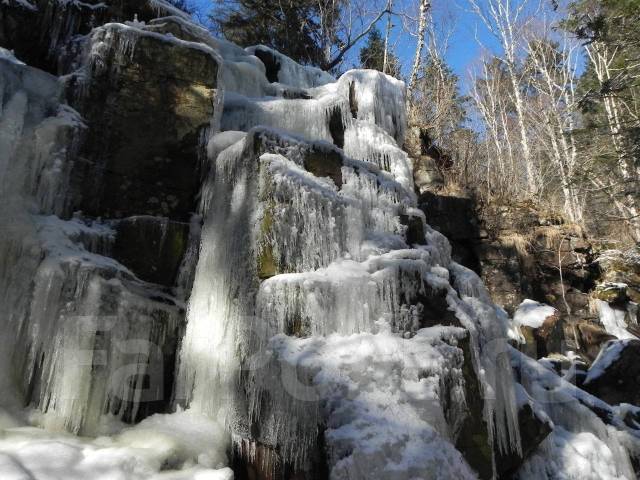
434,308
517,251
547,339
414,233
473,436
56,23
253,460
620,273
615,376
456,218
147,111
533,430
271,63
151,247
325,164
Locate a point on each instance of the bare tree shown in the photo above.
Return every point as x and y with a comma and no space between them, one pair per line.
602,58
422,21
353,20
506,21
552,77
387,38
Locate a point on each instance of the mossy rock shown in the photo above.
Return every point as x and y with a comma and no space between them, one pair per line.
267,265
612,293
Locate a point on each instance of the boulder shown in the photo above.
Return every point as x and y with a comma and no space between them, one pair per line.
590,338
615,374
542,329
621,269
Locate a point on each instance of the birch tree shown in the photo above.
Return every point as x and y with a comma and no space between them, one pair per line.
506,21
422,20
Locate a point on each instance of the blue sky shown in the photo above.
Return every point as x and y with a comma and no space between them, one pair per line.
463,45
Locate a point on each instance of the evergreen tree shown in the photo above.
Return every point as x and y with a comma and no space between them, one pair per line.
289,26
372,55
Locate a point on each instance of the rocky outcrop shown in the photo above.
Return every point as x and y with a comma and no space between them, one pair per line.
40,31
615,374
620,276
126,151
590,338
427,159
149,102
151,247
518,252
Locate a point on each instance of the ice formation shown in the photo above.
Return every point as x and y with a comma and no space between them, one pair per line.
307,286
590,440
614,320
532,314
306,233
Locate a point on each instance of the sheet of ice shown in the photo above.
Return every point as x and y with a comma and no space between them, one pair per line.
292,73
75,319
307,117
180,446
369,142
613,320
38,137
222,300
379,396
346,297
532,314
566,455
10,56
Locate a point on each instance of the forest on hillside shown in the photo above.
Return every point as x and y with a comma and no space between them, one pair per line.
549,112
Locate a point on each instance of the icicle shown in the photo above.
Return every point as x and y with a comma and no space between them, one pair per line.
221,303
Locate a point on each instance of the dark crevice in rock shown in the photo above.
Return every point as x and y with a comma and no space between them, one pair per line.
151,247
336,127
353,102
271,63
